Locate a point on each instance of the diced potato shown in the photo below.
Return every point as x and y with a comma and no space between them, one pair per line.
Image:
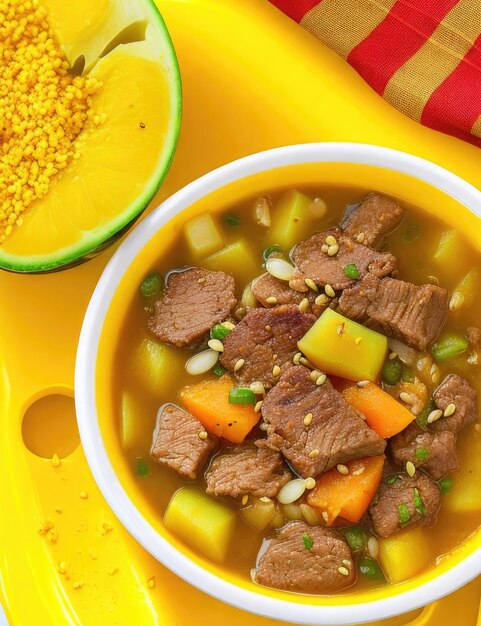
465,494
202,235
337,345
258,515
204,523
403,556
450,253
468,286
129,431
292,219
157,366
236,259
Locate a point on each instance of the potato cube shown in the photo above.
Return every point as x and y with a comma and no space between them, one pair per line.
403,556
202,235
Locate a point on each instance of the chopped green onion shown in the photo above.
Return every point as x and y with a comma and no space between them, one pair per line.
445,485
418,502
219,332
307,541
391,372
411,232
422,418
407,375
370,567
219,370
356,538
242,395
141,467
404,515
232,220
390,480
449,345
275,249
151,285
351,271
422,454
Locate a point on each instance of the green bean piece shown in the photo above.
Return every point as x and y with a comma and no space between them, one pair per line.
404,515
370,567
219,370
219,332
449,345
356,538
391,372
242,395
422,454
151,285
307,541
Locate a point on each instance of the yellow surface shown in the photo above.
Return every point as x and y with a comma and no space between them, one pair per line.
252,80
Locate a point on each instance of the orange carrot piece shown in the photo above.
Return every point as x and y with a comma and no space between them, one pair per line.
347,495
209,402
383,413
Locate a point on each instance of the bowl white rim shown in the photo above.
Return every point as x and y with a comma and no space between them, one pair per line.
90,434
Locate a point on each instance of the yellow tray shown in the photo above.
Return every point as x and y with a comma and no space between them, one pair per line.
252,80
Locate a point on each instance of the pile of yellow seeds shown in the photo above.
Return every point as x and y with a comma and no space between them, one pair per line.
43,109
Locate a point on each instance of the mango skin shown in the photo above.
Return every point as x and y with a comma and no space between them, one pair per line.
337,345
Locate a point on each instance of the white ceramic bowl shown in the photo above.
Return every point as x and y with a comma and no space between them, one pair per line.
128,513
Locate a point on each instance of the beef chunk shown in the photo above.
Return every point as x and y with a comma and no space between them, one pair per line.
306,559
413,314
455,390
194,301
434,452
402,501
176,442
247,469
335,435
371,220
265,338
270,287
323,269
473,335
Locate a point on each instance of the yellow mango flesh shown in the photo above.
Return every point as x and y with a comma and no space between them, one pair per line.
204,523
403,556
339,346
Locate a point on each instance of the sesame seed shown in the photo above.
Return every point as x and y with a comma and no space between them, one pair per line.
313,453
267,328
343,570
314,375
342,469
324,247
201,280
333,250
258,388
362,383
310,483
360,237
304,305
347,562
434,416
271,300
151,583
265,499
392,356
308,419
321,379
311,284
240,312
238,364
321,299
449,410
258,406
373,547
297,358
216,344
410,469
245,499
456,301
331,240
407,397
329,291
276,371
263,426
305,362
357,340
56,462
203,434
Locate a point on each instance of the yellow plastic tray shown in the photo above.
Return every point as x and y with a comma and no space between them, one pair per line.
252,80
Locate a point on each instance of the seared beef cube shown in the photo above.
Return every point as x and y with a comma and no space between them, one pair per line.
247,469
413,314
371,220
455,392
434,452
313,426
306,559
193,302
314,263
473,335
269,287
264,340
181,442
402,501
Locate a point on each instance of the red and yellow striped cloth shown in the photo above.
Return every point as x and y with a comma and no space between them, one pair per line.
423,56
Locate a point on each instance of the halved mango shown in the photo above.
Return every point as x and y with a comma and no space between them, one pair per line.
121,161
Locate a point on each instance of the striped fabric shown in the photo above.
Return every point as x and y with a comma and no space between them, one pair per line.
423,56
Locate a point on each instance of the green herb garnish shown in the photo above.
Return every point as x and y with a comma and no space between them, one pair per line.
445,485
232,220
422,454
307,541
404,515
351,271
219,332
219,370
242,395
370,567
151,285
422,418
449,345
390,480
418,502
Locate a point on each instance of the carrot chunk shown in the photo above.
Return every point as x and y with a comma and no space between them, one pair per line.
347,494
209,402
383,413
